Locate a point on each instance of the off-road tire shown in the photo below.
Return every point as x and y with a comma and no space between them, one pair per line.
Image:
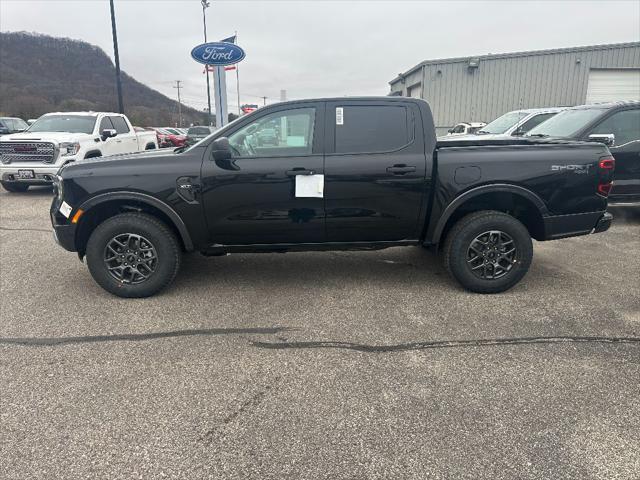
463,233
161,237
15,187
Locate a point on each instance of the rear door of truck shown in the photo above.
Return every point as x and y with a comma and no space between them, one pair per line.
375,170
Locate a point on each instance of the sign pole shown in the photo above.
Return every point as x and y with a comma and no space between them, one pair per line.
238,78
205,4
117,57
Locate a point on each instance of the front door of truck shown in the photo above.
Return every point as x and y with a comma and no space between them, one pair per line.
375,169
126,141
252,198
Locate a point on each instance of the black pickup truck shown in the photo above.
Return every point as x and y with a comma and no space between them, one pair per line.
350,174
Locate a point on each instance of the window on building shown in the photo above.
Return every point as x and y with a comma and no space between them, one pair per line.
370,129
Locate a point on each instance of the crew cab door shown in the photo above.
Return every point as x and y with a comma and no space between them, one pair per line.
625,126
126,141
251,199
108,146
375,168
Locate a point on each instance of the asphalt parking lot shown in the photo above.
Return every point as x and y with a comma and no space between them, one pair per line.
319,365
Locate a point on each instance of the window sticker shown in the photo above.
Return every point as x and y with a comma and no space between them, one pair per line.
339,116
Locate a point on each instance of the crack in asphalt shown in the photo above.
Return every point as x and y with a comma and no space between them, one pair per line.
252,402
26,229
402,347
136,337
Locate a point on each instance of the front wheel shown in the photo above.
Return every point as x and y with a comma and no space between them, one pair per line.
133,255
488,251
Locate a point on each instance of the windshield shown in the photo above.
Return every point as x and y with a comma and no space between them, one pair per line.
567,123
503,123
173,131
64,123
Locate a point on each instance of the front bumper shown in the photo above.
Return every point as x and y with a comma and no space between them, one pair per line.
562,226
43,175
65,236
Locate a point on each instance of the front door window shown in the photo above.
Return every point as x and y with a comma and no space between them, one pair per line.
281,134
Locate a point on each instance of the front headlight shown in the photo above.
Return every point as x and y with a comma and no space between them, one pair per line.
69,148
57,186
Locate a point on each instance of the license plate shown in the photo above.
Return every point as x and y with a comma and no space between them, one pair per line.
26,174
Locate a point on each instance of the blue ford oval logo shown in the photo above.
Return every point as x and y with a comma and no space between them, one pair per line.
217,53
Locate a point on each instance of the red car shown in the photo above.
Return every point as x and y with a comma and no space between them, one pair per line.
176,137
169,137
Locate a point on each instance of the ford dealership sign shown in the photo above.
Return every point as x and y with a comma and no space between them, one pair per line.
217,53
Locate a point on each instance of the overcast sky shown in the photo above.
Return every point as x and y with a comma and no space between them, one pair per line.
318,48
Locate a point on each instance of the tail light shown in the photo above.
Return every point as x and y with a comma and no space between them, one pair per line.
608,163
606,166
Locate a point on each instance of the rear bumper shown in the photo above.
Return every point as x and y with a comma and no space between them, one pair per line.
562,226
625,192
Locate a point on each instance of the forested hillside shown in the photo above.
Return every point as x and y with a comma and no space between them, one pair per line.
40,74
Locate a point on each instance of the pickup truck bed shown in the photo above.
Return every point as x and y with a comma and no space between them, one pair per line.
343,173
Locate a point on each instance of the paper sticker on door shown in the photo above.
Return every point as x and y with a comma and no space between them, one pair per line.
309,186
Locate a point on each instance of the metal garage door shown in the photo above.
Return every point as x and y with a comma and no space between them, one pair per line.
613,85
415,91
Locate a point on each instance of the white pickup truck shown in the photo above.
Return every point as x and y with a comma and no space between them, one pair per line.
33,157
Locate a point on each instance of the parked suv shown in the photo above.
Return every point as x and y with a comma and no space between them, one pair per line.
197,133
12,125
617,125
519,122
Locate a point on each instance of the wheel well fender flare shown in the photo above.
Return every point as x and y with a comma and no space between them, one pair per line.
148,199
93,153
481,190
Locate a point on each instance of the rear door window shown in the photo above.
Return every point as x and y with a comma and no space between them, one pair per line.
120,125
371,128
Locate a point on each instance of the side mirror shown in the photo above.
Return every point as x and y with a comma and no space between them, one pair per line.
221,149
108,133
609,139
450,130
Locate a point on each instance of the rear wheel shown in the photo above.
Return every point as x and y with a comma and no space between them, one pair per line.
133,255
15,187
488,251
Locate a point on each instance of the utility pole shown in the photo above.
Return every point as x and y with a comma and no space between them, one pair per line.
177,85
205,4
264,100
117,57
